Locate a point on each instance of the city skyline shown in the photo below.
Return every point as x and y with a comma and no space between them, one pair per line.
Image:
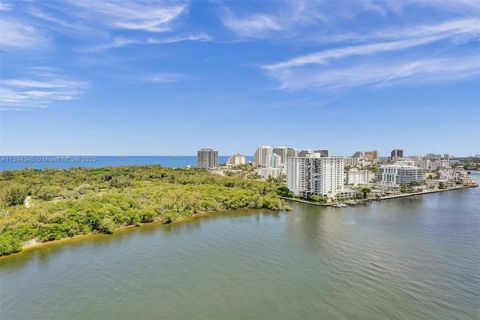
169,78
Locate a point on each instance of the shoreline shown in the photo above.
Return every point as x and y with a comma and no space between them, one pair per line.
34,244
363,201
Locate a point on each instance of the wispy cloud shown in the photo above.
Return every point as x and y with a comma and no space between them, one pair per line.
378,63
293,20
16,34
41,92
152,16
382,74
162,78
119,42
254,25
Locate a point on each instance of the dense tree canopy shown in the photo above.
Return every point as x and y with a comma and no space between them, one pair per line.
65,203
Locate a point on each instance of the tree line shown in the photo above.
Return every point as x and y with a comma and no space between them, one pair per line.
66,203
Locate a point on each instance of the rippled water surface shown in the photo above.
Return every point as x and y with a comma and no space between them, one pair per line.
415,258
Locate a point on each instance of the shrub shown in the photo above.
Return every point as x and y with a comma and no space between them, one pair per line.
14,194
119,182
106,225
47,193
9,244
284,192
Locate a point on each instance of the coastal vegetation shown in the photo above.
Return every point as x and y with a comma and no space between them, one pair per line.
53,204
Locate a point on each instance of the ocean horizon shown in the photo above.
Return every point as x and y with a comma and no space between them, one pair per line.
16,162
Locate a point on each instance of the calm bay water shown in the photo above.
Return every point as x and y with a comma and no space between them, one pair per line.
413,258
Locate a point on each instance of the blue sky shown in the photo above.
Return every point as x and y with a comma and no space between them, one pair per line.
163,78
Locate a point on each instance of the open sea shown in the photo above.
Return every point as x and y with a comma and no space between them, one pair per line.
65,162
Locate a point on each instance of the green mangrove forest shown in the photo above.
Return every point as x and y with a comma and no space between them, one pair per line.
51,204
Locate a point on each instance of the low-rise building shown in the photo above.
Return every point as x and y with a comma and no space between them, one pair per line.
269,172
346,193
456,175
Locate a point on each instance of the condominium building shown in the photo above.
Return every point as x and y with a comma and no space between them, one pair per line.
396,154
291,153
282,152
439,164
433,156
370,155
323,153
428,164
359,177
274,161
315,175
262,155
269,172
207,158
399,173
304,153
359,162
236,160
422,163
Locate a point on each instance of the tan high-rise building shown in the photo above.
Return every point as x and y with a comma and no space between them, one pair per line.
237,160
262,155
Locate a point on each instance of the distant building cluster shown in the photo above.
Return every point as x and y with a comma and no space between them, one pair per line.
314,172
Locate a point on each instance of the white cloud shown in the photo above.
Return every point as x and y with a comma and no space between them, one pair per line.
23,94
16,34
55,83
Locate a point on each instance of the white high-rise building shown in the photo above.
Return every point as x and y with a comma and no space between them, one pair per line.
297,172
315,174
262,156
